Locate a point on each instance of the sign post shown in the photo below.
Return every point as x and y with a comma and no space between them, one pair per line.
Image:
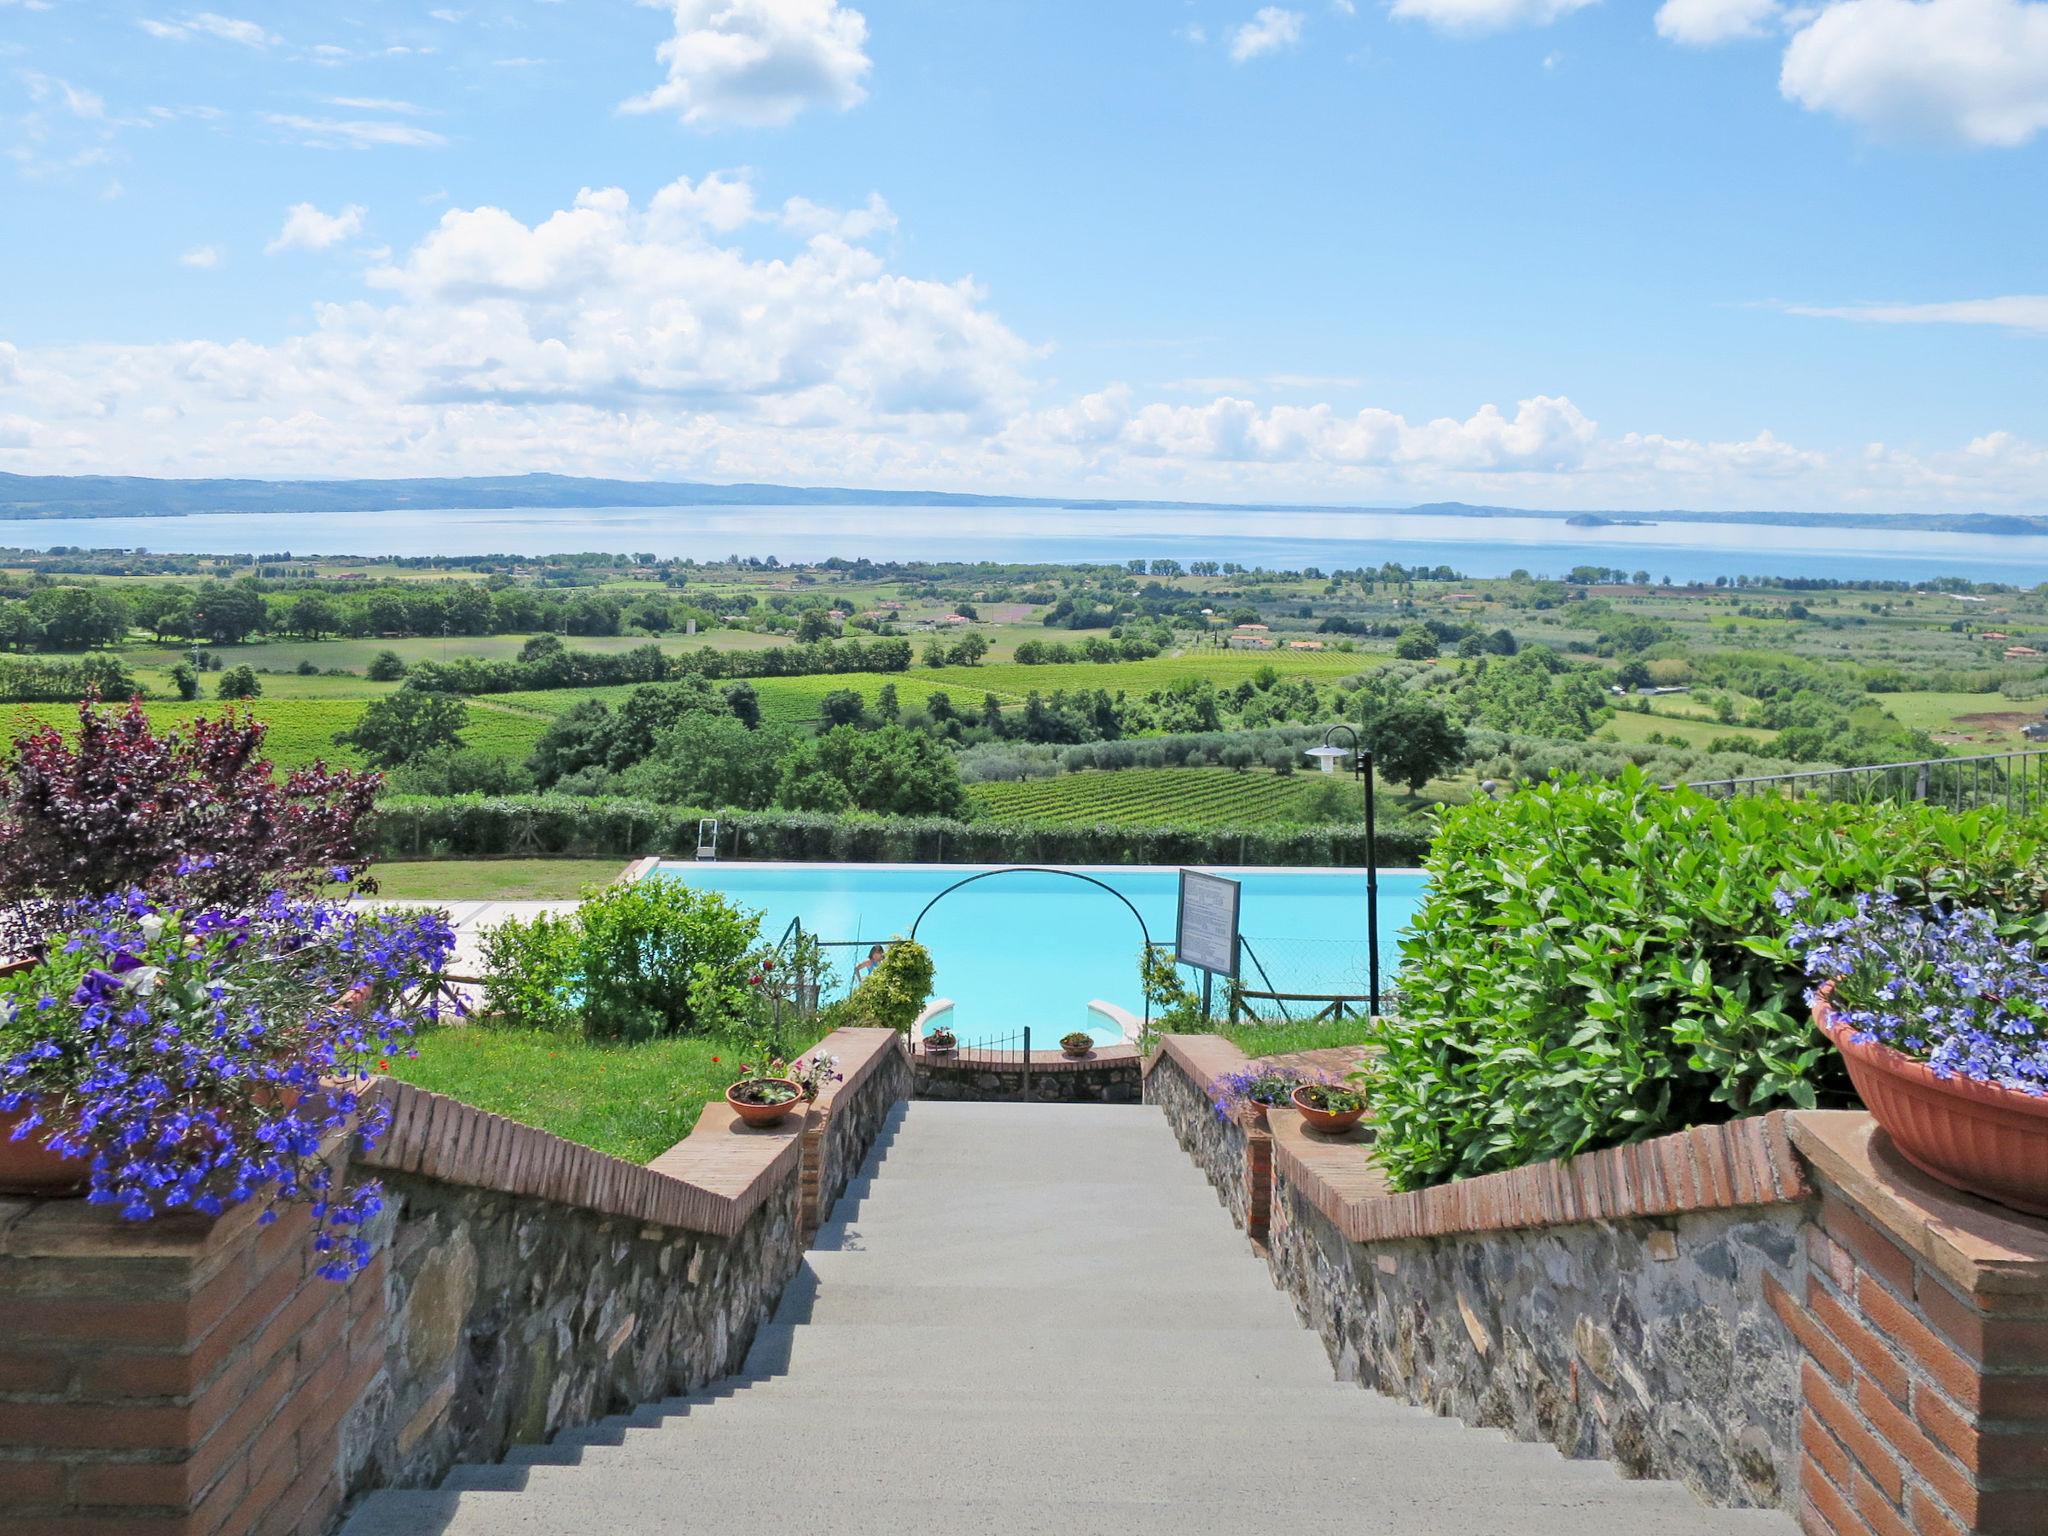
1205,936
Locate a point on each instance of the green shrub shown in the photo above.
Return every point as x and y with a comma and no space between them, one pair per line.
895,992
1596,963
529,972
635,961
469,825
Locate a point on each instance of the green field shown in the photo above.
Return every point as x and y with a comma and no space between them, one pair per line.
302,730
493,879
1154,797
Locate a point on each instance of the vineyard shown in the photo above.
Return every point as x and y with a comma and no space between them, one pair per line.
1158,797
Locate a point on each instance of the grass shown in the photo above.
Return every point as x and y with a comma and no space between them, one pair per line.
493,879
634,1101
1280,1039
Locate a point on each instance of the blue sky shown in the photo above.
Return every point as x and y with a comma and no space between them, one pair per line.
1534,252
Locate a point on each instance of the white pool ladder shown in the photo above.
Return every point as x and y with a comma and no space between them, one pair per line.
707,838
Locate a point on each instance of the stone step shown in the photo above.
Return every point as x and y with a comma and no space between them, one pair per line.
777,1495
1165,1359
1032,1309
1120,1271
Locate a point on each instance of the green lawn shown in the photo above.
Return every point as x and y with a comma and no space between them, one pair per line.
633,1101
1279,1039
493,879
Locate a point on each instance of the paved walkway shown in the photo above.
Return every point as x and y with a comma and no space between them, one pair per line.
1036,1318
471,919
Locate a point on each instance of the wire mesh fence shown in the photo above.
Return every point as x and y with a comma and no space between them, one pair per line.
2018,781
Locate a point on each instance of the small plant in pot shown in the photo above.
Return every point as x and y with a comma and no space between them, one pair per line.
1077,1044
1329,1107
1943,1023
1245,1096
815,1072
766,1097
941,1042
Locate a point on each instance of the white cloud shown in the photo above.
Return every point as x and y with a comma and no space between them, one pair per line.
371,133
643,339
1271,30
1975,71
758,63
1486,15
203,256
801,216
376,104
2017,312
1704,23
306,228
226,29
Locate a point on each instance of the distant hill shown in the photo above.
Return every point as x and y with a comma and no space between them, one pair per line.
77,496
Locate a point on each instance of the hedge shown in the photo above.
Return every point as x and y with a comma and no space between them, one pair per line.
476,825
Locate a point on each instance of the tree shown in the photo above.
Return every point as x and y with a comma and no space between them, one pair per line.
711,762
1632,675
78,618
892,772
1416,644
386,667
311,617
406,725
1411,739
195,815
185,680
969,650
842,706
228,615
745,703
238,683
814,626
593,735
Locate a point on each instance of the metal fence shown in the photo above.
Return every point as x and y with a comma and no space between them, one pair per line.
1006,1056
2016,780
1284,980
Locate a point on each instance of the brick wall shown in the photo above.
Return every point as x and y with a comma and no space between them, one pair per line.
192,1378
1924,1316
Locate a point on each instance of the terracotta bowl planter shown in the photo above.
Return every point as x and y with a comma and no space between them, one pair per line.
1977,1137
766,1114
1328,1120
947,1049
1075,1055
1252,1115
29,1167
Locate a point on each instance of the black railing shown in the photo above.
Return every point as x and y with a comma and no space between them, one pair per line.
1002,1057
2016,780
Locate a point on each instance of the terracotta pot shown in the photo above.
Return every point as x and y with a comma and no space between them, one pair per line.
1252,1116
29,1167
1977,1137
1330,1120
766,1114
1073,1055
940,1050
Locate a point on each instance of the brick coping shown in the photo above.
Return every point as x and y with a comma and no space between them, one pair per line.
1981,1248
1716,1167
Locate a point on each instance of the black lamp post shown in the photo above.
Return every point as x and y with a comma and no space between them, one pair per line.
1326,754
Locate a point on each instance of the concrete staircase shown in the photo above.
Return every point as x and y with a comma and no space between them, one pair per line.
1029,1318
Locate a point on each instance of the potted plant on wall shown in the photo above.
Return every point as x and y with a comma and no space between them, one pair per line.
1329,1107
160,1059
765,1097
940,1042
1077,1044
1246,1095
1943,1024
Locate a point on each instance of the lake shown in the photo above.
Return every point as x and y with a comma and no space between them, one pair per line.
1277,540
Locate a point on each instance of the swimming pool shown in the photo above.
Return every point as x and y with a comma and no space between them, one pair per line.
1032,949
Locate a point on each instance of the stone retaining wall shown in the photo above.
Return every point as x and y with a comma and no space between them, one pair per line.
1779,1312
1177,1079
1110,1074
194,1378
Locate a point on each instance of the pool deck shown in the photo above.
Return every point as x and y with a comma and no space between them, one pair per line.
471,920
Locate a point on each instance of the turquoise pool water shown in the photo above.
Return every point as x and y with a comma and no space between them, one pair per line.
1032,949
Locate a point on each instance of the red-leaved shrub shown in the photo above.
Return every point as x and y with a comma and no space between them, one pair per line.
196,815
